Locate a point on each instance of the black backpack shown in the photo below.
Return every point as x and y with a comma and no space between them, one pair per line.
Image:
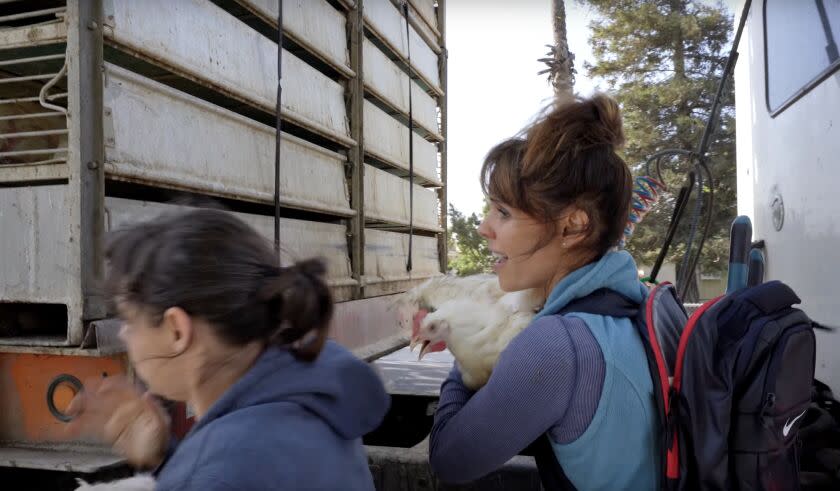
732,384
819,433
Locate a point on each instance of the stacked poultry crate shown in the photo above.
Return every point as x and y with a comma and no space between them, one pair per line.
114,111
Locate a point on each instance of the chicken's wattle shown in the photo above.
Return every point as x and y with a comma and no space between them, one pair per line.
428,347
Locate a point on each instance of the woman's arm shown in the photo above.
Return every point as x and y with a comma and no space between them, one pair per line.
530,391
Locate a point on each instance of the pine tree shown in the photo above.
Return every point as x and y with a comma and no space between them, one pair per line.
662,60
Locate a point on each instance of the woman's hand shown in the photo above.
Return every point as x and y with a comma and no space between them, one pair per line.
117,413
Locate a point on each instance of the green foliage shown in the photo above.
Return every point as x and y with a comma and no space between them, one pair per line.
472,255
662,60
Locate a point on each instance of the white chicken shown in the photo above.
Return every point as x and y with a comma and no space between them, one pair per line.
435,291
471,316
140,482
475,332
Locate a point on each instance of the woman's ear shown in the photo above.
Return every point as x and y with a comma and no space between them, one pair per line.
179,328
574,227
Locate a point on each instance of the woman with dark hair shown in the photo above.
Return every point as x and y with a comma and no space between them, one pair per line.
211,320
560,198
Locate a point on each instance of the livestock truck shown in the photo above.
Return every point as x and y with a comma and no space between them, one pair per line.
114,111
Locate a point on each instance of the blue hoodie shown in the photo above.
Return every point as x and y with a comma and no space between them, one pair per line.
286,424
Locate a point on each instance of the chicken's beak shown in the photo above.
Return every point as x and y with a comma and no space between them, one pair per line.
424,350
416,319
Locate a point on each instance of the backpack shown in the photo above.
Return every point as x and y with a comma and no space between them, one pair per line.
731,383
820,437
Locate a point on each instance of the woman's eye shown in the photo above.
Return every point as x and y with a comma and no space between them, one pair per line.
504,213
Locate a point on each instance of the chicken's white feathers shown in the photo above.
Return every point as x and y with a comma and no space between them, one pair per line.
476,333
472,315
434,291
140,482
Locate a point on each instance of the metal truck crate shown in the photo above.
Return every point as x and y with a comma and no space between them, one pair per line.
113,111
210,48
82,125
301,239
387,23
387,199
232,156
386,139
315,24
386,256
389,82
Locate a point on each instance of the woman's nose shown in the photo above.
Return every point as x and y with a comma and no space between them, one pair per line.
484,229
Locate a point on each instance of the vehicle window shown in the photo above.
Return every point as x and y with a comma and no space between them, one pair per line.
801,46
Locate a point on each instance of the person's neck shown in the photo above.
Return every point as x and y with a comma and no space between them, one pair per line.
219,375
563,271
555,280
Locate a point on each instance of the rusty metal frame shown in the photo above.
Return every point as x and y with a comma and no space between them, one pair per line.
45,34
356,225
85,40
347,4
443,64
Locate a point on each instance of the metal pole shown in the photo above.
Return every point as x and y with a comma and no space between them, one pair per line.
279,114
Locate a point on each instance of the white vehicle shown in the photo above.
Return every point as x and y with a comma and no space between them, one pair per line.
787,100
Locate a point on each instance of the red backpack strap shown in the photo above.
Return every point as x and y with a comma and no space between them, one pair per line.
673,458
664,320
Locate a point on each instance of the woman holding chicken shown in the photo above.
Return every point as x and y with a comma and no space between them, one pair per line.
560,197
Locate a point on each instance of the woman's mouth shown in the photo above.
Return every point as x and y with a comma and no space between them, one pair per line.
500,258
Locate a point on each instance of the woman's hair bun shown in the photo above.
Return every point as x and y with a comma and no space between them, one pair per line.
311,268
608,114
300,304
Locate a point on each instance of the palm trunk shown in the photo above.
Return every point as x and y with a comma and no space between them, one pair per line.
562,74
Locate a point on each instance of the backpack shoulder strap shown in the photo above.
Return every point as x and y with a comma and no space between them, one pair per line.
659,322
603,302
552,476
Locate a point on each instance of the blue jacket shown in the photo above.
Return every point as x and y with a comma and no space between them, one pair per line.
619,449
285,425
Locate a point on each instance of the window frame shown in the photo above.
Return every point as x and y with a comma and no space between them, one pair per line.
798,94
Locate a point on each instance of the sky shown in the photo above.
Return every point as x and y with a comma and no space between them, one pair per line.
494,89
